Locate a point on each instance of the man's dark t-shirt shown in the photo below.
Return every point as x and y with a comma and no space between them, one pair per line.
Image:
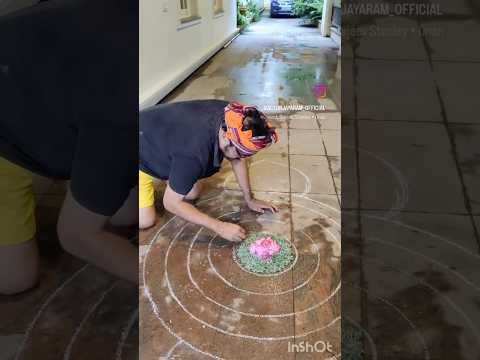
179,141
69,97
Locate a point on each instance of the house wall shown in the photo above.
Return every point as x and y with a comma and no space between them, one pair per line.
168,52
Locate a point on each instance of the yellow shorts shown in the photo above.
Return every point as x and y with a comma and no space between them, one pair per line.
17,204
146,190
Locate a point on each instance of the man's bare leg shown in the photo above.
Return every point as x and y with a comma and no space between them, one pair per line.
18,267
82,233
146,217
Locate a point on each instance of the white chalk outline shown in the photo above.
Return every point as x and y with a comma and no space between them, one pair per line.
148,293
172,350
308,183
257,338
124,335
68,349
149,296
52,296
402,314
259,293
47,302
250,292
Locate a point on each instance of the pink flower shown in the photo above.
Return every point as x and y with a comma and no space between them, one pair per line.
264,248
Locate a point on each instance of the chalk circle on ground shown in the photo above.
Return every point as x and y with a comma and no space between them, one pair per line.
276,265
264,293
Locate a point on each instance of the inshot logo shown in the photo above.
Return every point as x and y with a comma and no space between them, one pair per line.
308,347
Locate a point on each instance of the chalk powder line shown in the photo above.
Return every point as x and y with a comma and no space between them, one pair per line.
58,290
154,305
400,202
172,293
50,299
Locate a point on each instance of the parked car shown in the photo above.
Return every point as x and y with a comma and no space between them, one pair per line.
281,8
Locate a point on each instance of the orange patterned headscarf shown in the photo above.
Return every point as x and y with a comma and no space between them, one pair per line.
244,141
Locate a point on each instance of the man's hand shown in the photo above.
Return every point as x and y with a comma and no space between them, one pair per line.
231,232
260,206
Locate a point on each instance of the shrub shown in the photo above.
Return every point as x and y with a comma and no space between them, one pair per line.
253,10
247,12
243,19
310,9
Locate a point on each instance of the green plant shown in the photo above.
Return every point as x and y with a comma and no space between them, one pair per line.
300,7
243,17
316,10
253,10
309,9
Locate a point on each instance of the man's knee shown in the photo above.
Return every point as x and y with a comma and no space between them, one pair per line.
18,267
22,281
146,217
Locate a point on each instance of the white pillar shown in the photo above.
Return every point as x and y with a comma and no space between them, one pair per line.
326,18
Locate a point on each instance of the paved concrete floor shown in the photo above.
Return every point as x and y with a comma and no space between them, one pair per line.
195,301
410,246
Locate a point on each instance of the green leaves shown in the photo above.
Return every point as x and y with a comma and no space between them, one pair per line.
311,9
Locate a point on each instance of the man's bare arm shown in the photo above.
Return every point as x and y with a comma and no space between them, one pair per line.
174,203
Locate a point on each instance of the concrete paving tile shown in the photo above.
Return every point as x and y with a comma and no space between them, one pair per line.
336,166
467,138
458,84
426,266
332,140
394,81
281,147
305,142
57,267
278,120
224,179
269,172
351,269
102,332
311,174
9,345
329,120
154,338
375,40
400,168
462,7
442,37
303,120
319,213
60,325
348,162
348,89
318,243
